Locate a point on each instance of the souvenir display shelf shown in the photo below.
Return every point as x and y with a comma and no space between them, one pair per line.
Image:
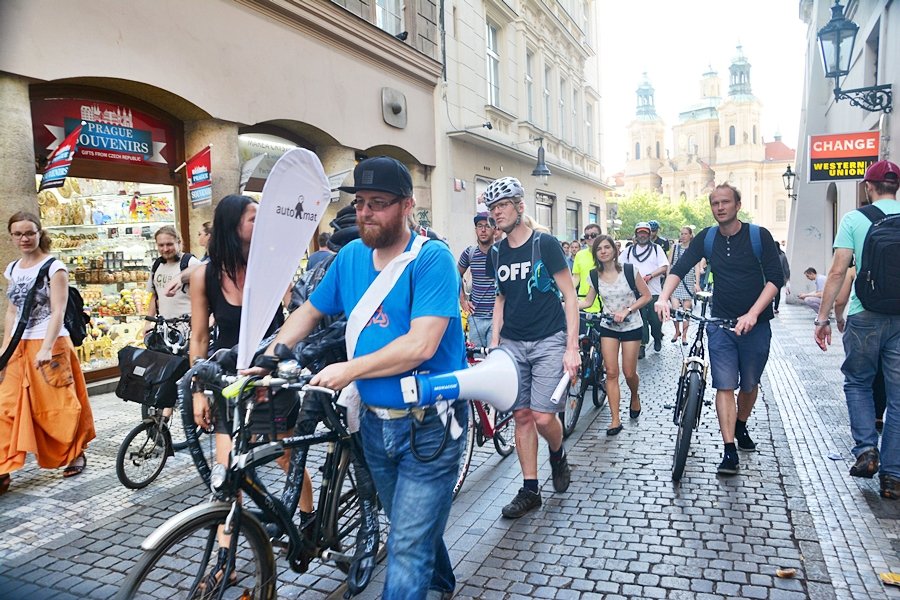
103,231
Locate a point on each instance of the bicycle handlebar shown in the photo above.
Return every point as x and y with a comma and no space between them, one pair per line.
600,317
724,323
172,321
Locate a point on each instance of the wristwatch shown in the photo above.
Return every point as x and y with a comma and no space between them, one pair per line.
819,323
629,310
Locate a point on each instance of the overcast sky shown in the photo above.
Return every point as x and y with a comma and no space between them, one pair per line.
675,42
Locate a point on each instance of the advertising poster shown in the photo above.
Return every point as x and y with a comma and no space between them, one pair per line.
199,172
60,160
841,156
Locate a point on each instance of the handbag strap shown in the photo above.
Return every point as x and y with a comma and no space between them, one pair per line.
377,292
26,311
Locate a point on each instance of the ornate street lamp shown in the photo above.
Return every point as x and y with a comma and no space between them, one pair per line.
788,178
837,40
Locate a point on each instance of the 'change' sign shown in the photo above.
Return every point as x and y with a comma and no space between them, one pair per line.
842,156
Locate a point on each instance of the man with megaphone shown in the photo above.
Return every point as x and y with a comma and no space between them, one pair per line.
531,273
401,298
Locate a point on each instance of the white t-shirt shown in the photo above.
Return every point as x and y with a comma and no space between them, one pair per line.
20,283
653,257
180,303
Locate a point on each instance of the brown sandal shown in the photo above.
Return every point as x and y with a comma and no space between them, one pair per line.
72,470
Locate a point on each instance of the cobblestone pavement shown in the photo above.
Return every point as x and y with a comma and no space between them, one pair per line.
622,530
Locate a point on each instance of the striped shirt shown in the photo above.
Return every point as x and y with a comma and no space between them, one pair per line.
483,287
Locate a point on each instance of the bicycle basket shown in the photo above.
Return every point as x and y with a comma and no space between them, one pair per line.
149,377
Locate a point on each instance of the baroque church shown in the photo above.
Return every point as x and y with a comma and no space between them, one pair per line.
715,141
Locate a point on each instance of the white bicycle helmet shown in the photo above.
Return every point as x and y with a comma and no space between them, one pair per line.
501,189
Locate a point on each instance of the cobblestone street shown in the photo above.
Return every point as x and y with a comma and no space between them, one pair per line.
622,530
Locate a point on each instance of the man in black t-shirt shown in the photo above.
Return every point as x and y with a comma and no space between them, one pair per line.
531,272
745,287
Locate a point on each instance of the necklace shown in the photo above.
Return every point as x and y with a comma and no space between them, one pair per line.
639,255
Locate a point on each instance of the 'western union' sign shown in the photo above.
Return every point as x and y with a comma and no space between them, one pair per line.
842,156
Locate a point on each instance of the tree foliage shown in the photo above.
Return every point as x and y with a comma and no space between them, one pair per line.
644,205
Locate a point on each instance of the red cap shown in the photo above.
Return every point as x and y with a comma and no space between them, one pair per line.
883,170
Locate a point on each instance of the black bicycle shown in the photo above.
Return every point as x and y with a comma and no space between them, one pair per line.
144,451
347,528
591,375
692,384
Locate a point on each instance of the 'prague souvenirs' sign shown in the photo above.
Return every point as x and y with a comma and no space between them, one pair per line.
842,155
111,132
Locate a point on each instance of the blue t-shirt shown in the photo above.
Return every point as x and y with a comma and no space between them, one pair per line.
428,287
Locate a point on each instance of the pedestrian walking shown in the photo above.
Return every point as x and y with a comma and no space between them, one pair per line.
530,322
684,293
44,406
872,333
786,269
582,264
658,239
744,260
651,263
623,296
479,303
415,327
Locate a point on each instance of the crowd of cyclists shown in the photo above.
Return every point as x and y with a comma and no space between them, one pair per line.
400,298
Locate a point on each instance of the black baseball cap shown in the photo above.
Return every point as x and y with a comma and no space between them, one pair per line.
381,174
481,217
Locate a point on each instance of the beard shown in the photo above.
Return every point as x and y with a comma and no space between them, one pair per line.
380,236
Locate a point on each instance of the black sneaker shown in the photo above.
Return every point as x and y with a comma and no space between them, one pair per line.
524,502
866,464
642,352
890,487
657,345
729,465
744,442
562,474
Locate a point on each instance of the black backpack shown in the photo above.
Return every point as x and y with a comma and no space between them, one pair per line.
878,277
75,319
628,268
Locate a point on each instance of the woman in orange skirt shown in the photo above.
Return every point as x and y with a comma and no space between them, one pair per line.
44,405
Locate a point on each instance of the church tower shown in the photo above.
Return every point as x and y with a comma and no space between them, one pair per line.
739,117
647,134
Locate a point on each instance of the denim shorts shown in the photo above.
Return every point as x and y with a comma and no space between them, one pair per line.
540,365
738,359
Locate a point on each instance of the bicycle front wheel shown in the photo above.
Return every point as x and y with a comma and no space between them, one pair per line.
574,396
179,562
466,460
598,388
690,410
142,455
504,432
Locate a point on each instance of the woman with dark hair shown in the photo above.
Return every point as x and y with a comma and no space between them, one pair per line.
623,336
684,293
44,406
217,289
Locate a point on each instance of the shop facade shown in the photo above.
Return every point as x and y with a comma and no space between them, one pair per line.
329,82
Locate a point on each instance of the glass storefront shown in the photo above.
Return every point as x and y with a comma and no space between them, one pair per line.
104,231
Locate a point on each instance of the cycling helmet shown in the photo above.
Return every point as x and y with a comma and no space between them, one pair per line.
501,189
642,225
654,225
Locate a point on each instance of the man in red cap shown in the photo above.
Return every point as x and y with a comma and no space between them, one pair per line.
872,333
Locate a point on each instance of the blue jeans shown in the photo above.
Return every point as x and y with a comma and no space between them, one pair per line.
416,497
871,337
738,360
480,331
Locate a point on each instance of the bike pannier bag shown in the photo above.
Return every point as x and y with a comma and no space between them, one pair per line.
149,377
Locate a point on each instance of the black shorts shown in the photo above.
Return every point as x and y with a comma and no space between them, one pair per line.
286,407
633,335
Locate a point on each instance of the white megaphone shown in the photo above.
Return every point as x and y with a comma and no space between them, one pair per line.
494,380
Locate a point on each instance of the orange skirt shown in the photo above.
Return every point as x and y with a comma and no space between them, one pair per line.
43,410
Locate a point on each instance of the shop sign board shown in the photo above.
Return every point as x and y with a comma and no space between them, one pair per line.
842,156
253,145
199,171
60,160
111,132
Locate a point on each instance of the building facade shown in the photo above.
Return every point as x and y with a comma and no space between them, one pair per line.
157,82
519,75
716,140
819,206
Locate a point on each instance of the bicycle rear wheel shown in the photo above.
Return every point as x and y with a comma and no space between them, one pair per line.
691,408
176,565
142,455
466,460
574,397
504,432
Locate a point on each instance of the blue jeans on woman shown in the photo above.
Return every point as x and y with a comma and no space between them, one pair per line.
416,496
869,338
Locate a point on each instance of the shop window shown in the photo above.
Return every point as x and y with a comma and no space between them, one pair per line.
543,209
573,215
